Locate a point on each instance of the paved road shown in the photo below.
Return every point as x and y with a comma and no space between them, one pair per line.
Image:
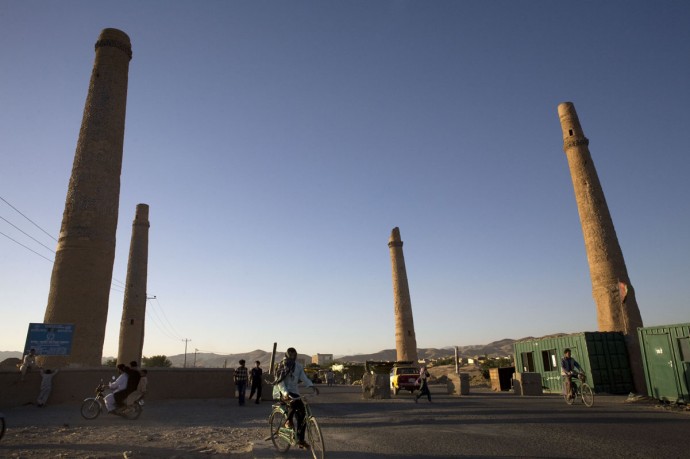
487,424
483,424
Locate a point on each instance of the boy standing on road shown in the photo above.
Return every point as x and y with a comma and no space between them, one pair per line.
241,381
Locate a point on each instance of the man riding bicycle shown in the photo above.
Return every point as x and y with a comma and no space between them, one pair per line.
288,376
568,366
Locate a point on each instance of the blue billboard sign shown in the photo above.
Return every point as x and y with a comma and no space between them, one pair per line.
49,339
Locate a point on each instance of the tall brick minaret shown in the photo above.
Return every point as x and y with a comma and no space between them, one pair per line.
405,340
611,288
134,308
82,272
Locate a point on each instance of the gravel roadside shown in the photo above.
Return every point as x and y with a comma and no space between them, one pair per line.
168,428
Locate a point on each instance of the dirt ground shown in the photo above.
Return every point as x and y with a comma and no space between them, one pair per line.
476,379
166,429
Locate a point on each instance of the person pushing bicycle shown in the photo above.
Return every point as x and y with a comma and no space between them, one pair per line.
286,386
568,366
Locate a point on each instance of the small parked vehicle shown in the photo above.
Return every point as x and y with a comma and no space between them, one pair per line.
404,378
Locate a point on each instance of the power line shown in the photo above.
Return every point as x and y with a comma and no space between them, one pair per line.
112,287
117,288
156,320
122,284
153,318
154,311
166,317
27,234
19,212
31,250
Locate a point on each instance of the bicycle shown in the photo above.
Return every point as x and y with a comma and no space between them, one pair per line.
581,390
285,437
93,406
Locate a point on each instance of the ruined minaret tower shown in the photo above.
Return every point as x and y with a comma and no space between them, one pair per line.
405,340
82,272
611,288
134,308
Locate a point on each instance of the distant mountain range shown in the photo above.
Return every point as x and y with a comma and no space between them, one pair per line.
501,348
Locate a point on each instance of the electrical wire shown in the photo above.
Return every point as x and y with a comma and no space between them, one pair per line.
166,318
158,322
17,210
122,284
27,234
116,288
27,248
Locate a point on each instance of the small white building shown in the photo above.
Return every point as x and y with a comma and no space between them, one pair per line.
322,359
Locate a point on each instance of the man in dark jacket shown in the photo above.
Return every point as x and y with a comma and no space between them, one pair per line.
568,366
255,381
133,377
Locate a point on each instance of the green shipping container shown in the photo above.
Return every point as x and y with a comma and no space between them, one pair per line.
602,355
666,359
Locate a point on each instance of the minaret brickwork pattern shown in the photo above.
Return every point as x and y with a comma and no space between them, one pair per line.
613,293
82,272
134,308
405,340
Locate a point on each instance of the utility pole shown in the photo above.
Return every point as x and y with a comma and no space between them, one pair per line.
185,351
271,370
195,350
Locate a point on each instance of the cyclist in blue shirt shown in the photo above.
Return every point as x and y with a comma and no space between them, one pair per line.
288,376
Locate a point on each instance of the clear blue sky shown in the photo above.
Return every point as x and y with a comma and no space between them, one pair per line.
279,143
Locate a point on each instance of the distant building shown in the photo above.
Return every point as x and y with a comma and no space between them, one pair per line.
322,359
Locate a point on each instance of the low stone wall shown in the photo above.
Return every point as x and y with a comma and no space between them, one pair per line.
377,386
458,384
71,385
527,384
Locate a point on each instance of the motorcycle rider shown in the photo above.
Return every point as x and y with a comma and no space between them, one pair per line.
133,377
116,397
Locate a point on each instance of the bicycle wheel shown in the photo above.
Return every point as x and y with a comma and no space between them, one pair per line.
276,421
570,398
318,450
90,409
587,395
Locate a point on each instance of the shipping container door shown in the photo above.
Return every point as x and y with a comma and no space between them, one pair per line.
660,362
551,364
527,362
